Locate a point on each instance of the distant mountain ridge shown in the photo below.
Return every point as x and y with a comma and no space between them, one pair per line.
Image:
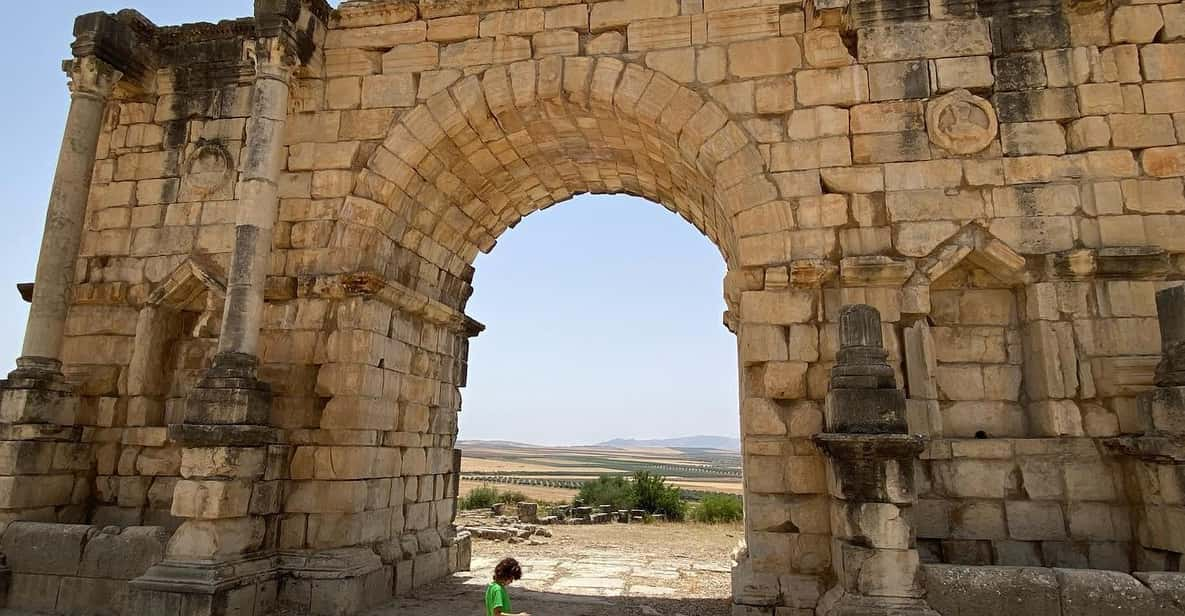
697,442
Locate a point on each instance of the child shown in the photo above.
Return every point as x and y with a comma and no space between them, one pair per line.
497,600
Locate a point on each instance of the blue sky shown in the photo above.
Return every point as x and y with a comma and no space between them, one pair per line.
603,313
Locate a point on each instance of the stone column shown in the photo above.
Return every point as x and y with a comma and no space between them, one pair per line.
870,478
231,472
37,407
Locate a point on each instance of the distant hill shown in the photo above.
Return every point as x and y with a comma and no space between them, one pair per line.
686,442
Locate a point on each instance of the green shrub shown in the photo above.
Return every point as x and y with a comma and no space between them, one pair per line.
485,497
717,508
616,492
655,496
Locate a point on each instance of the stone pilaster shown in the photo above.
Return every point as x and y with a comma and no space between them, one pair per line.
38,408
870,477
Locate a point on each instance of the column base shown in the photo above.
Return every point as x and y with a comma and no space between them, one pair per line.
333,582
838,602
230,394
37,393
336,582
242,587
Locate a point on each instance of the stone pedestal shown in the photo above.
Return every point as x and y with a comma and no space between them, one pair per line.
870,479
222,557
1157,455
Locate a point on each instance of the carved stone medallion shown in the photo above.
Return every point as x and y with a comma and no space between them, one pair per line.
209,168
961,122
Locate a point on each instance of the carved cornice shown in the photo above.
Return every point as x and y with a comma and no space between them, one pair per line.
125,46
402,298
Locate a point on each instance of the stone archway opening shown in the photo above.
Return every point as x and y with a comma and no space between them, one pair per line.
538,438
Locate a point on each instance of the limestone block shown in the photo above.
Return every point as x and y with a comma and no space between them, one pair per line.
1164,162
785,380
663,33
211,500
527,21
825,48
32,491
766,474
845,86
818,122
618,13
1035,235
56,549
1089,133
415,461
925,39
1100,98
411,58
737,97
575,16
556,43
154,461
1163,62
775,56
1067,67
762,416
741,24
955,587
326,497
395,90
223,462
1025,138
898,116
782,308
452,29
124,555
1036,105
607,43
925,205
899,80
867,211
1141,131
761,343
1036,200
890,147
81,595
1153,196
378,36
1136,24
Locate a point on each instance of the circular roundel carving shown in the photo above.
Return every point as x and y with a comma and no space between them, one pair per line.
961,122
209,167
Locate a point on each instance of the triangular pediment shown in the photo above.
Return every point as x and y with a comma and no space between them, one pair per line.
973,245
189,283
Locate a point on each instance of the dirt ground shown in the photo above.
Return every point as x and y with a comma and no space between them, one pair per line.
615,569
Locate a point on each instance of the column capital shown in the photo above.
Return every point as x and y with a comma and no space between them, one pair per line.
275,56
91,76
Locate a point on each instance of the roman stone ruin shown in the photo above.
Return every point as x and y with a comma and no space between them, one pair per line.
945,223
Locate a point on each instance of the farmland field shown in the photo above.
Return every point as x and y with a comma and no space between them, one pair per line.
555,473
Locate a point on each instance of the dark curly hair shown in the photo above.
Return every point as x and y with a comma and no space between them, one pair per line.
508,569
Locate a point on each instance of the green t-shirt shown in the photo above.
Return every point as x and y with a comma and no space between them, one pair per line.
496,597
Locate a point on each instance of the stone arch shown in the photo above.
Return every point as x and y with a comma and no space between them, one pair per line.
456,172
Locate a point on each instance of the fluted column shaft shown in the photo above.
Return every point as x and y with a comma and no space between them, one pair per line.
92,82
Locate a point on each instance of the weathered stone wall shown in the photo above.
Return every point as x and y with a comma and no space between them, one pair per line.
1002,181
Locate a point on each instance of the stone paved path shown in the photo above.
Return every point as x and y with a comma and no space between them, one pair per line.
667,570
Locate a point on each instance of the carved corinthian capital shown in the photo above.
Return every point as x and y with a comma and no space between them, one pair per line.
92,76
